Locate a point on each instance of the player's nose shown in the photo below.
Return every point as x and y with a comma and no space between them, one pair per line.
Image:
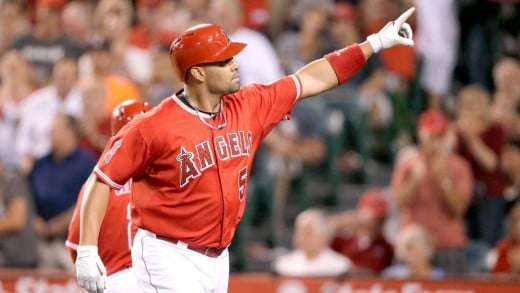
234,65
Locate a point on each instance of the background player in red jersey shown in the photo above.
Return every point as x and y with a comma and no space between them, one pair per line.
117,231
190,157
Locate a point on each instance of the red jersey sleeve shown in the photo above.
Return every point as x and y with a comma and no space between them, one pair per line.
502,249
113,167
272,102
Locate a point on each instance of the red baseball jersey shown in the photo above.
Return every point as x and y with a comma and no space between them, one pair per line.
116,234
189,179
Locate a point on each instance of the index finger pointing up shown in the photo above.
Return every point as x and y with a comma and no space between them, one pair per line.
403,17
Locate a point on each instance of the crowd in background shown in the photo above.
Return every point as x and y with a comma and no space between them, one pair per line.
443,116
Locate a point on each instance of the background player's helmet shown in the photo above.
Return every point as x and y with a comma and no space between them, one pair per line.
125,111
200,44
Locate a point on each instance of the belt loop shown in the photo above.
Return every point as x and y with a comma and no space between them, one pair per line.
206,251
182,244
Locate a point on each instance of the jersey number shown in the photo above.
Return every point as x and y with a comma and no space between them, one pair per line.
242,183
129,227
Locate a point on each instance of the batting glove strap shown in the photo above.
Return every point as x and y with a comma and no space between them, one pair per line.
375,42
87,250
396,32
90,271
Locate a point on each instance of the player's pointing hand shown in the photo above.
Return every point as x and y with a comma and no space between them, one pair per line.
396,32
404,16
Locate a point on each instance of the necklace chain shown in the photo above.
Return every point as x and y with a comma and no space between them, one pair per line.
203,120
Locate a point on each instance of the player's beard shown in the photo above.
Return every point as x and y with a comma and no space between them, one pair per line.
235,85
234,88
231,89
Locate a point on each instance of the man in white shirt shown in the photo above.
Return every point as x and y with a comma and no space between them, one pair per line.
62,95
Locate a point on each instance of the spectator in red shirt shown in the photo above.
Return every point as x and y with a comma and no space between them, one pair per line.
432,186
359,233
510,166
507,250
481,141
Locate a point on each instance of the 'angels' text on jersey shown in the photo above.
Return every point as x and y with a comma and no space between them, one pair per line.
232,145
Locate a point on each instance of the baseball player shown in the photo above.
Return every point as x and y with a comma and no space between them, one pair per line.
190,158
117,231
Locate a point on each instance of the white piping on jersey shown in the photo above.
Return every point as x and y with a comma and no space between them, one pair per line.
175,98
105,178
298,85
71,245
202,115
187,108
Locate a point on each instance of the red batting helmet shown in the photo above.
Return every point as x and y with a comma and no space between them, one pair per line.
203,43
125,111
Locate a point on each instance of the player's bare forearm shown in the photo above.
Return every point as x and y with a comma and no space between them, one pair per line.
319,76
93,207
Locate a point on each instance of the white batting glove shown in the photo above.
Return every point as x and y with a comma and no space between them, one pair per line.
396,32
90,271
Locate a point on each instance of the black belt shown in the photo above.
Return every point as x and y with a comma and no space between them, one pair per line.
207,251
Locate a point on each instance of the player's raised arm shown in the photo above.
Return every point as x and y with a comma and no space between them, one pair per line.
91,272
338,66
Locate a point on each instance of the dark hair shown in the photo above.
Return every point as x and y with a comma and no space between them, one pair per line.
22,5
99,46
514,141
73,124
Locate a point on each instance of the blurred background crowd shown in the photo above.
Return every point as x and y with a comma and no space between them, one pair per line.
409,169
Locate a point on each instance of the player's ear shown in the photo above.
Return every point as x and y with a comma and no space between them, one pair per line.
197,73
